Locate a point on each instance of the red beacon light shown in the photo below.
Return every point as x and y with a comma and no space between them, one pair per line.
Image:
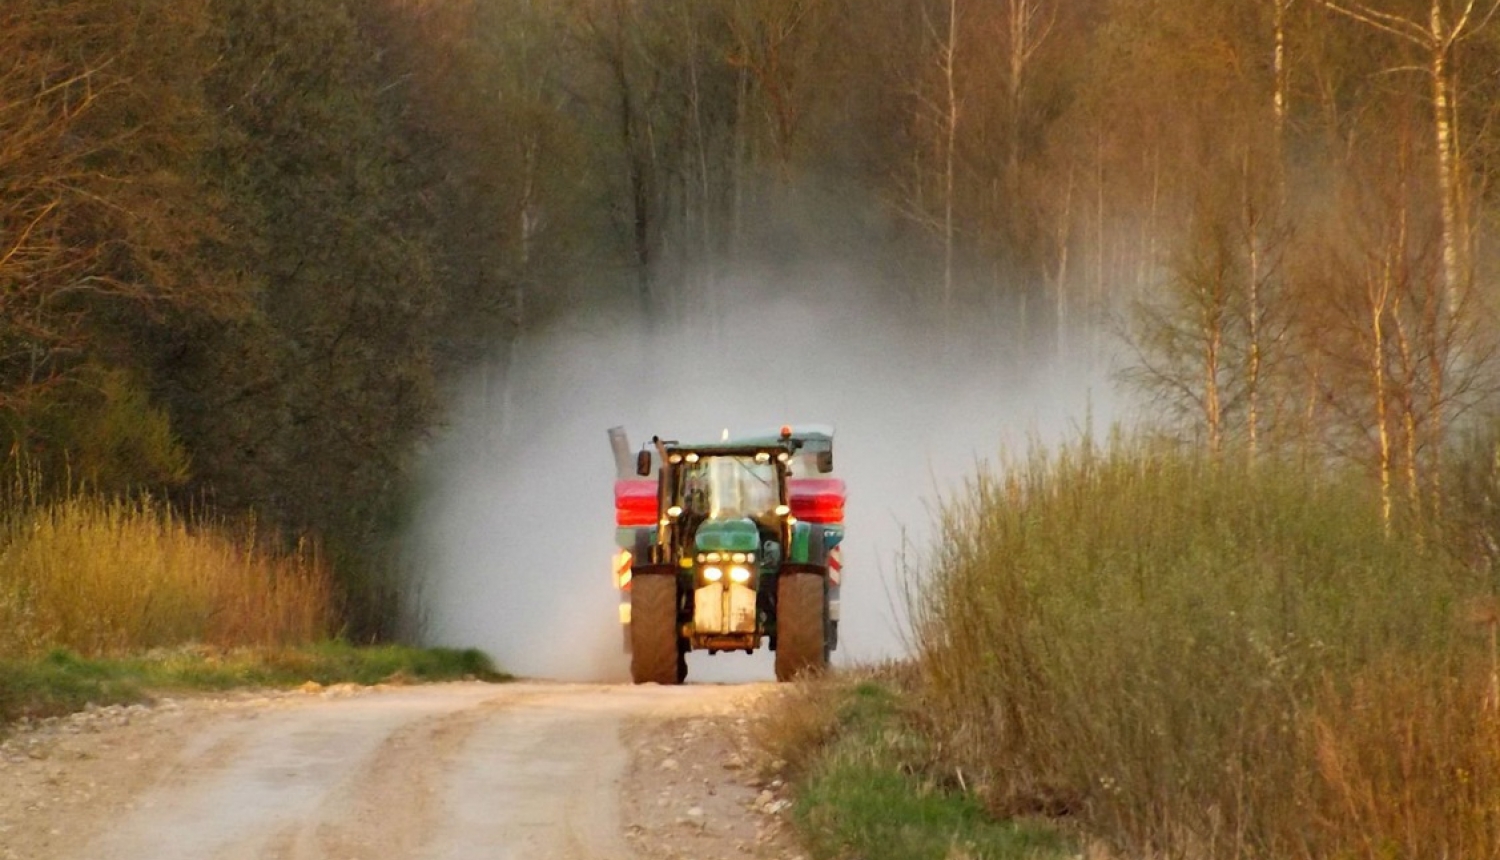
786,431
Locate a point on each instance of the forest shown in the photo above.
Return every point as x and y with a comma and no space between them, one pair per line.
247,247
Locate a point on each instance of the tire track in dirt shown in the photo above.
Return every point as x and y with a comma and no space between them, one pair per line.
541,771
390,806
279,776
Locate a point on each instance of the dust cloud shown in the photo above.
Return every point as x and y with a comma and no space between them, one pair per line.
517,519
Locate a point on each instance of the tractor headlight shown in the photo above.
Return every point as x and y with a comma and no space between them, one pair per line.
739,574
714,574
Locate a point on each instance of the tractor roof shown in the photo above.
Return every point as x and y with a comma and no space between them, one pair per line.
807,437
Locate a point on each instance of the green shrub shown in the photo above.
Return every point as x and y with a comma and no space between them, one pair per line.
1152,640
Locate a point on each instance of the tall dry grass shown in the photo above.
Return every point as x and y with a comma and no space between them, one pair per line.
1407,756
1201,659
106,576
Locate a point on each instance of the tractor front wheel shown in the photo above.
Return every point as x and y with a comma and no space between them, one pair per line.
801,619
653,630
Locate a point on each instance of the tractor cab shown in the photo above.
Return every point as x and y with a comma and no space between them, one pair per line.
716,489
721,499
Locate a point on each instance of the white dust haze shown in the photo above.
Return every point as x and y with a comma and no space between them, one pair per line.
516,526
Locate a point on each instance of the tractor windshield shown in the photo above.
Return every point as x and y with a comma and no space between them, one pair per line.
722,488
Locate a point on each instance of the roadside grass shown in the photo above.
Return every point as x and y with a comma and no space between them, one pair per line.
1196,657
61,682
104,600
322,663
101,576
867,780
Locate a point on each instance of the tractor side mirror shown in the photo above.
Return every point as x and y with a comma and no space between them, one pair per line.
643,463
825,461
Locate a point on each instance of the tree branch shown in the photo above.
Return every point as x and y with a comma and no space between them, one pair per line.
1395,25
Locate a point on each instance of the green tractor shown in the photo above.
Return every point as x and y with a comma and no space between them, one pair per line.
732,546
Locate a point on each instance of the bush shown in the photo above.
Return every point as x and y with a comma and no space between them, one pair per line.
1166,645
102,576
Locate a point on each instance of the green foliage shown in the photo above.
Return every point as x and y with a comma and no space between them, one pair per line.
305,411
96,428
332,662
1150,637
869,788
61,681
234,206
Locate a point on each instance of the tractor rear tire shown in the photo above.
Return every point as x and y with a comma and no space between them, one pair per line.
801,624
653,630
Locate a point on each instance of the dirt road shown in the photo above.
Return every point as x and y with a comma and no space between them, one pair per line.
445,772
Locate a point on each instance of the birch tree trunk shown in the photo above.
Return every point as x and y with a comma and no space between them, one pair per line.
1280,86
1254,314
1437,38
950,140
1378,296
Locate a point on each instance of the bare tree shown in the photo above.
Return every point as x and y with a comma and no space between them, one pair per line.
938,114
777,44
1357,295
1027,26
1447,24
1264,237
99,210
609,29
1398,360
1185,339
1280,86
947,57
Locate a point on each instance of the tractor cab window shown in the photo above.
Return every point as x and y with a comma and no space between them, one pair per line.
729,488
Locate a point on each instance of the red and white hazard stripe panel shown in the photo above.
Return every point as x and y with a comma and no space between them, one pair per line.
835,564
622,568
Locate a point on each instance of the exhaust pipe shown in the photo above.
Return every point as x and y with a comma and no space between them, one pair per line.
624,460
